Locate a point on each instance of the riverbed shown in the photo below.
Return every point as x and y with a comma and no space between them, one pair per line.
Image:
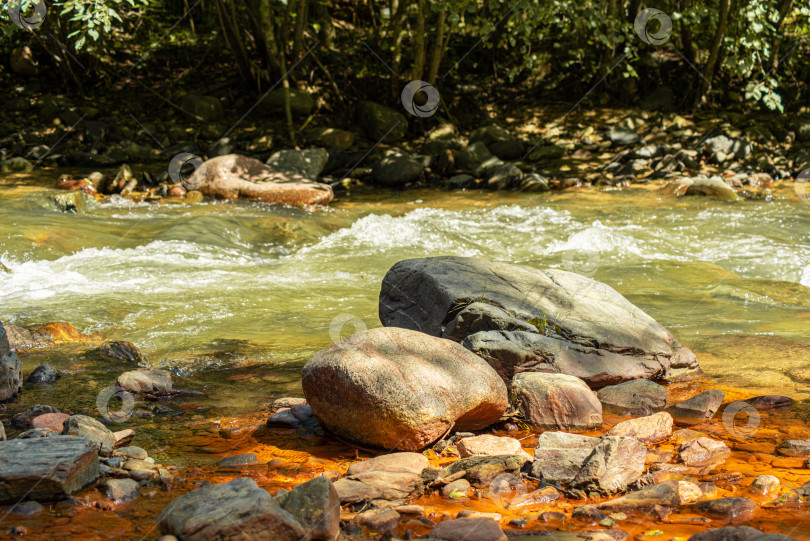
234,297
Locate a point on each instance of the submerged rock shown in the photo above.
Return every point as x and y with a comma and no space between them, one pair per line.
697,409
43,373
146,380
45,469
239,177
399,389
582,327
731,507
233,510
556,402
120,352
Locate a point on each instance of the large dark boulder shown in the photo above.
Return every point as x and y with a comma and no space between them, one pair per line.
583,327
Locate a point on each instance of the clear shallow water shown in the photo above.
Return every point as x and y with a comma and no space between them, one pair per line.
245,284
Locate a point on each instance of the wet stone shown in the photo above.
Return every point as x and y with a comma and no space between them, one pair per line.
482,470
634,397
799,448
239,460
456,489
92,430
729,533
43,373
120,490
731,507
131,452
698,408
46,469
703,452
764,485
379,520
26,509
23,420
468,529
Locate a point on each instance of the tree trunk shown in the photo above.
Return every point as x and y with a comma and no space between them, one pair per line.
320,12
419,43
233,40
705,81
300,26
773,62
397,24
438,46
265,14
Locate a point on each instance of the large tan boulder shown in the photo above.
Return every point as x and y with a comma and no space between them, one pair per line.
400,389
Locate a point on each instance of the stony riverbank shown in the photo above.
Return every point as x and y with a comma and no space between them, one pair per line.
497,402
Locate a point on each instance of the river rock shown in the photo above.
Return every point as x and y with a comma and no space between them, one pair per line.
393,476
635,397
559,456
234,510
731,507
645,429
468,529
764,485
473,157
457,487
556,401
90,429
698,408
239,177
308,163
799,448
293,417
769,402
588,329
380,122
316,505
397,169
379,520
245,459
489,134
120,490
37,433
10,369
301,102
714,187
615,462
51,421
137,453
23,420
703,452
43,373
488,445
118,352
481,470
146,380
399,389
45,469
728,533
645,500
480,316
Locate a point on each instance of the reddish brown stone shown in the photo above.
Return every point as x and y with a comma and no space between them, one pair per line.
51,421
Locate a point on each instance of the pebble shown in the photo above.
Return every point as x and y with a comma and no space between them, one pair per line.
764,485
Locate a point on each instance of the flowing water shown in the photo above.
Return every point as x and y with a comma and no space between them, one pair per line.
237,296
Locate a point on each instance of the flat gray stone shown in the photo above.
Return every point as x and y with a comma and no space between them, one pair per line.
697,409
316,505
86,427
635,397
46,469
238,509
